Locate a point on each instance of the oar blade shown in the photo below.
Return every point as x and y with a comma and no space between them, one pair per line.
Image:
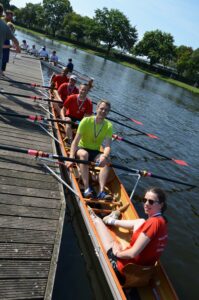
180,162
152,136
136,121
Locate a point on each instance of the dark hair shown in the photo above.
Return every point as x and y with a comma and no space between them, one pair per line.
161,196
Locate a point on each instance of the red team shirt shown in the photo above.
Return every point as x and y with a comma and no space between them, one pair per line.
59,79
76,108
65,90
156,229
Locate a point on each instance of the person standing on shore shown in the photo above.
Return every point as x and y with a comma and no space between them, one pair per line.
6,34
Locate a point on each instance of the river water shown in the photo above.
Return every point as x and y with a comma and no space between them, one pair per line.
172,114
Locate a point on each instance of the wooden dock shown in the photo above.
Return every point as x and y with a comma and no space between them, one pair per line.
32,205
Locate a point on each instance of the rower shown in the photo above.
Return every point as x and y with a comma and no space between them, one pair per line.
58,79
91,133
43,53
54,58
70,65
75,108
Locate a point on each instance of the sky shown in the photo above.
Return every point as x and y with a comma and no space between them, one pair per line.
180,18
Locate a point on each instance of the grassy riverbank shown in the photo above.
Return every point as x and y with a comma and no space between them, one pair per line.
126,64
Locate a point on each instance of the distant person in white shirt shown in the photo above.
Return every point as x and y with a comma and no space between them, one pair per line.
33,50
54,58
24,45
43,53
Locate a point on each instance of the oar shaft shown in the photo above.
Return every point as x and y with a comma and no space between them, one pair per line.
117,122
26,83
142,147
37,118
169,179
30,97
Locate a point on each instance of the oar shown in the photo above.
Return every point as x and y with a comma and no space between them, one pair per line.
152,136
177,161
37,118
119,114
30,97
145,173
37,153
26,83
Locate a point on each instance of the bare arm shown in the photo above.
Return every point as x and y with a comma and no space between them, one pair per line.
73,148
141,242
16,44
107,151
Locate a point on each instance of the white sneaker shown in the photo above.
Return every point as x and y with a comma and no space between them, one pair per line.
110,219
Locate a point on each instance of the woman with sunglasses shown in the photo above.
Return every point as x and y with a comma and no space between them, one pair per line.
149,236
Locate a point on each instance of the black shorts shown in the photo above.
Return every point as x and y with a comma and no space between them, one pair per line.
91,153
113,261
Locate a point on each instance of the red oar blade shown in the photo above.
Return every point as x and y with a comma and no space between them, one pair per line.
180,162
137,122
152,136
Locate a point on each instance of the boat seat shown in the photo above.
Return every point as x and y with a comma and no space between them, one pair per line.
136,275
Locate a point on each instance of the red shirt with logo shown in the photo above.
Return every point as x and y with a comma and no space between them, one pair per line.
77,108
66,90
156,229
59,79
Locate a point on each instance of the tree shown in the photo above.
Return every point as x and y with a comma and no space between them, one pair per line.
183,54
157,46
31,16
114,29
6,4
54,12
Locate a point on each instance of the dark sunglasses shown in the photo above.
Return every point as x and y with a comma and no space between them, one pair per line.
151,202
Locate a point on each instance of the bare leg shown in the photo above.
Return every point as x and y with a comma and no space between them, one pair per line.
103,177
68,129
105,236
83,155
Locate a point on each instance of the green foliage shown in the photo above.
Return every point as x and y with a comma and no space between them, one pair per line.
157,46
54,12
6,4
31,16
77,27
114,29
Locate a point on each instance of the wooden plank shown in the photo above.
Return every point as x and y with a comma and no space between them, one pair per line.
28,236
25,135
36,132
28,223
23,269
33,167
29,176
24,143
25,211
18,289
28,183
25,251
25,191
29,201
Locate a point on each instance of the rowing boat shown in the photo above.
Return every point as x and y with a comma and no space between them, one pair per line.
157,285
